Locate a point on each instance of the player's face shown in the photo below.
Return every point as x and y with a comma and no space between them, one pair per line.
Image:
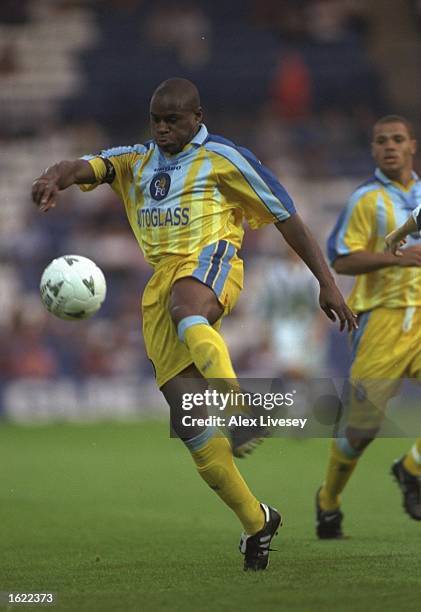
172,125
393,149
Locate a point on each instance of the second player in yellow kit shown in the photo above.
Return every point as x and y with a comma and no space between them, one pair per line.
387,298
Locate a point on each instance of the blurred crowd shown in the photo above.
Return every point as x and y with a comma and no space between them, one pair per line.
298,82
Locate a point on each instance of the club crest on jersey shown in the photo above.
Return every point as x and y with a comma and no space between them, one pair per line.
160,186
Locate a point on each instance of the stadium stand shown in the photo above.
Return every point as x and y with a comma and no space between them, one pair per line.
76,76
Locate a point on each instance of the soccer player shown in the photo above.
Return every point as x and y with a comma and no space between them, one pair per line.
186,193
387,297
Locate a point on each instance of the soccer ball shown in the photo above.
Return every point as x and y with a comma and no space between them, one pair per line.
72,287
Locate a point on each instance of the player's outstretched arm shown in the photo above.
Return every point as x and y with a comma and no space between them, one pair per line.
59,177
299,238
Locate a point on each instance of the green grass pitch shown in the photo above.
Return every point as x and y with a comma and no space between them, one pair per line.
114,517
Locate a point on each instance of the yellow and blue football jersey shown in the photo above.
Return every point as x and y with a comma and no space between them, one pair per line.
376,208
180,204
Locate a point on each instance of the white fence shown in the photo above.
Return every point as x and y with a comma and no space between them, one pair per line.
65,399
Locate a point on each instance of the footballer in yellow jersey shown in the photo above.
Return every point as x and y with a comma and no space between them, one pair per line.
387,297
186,194
187,215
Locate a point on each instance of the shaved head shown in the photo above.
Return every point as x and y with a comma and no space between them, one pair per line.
175,114
181,93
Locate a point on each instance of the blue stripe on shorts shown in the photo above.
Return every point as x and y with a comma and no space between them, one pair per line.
216,262
214,265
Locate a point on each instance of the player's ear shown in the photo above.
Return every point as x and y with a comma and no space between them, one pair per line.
414,146
199,114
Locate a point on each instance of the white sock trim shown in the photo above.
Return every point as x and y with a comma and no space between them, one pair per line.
416,455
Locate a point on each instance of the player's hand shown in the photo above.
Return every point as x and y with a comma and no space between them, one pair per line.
333,305
393,243
44,192
410,257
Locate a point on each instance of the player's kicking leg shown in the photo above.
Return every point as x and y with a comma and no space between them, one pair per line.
194,308
213,457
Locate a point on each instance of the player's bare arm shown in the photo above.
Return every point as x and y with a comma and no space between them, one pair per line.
362,262
397,238
299,238
59,177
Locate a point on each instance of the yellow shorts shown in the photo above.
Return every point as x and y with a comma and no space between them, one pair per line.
385,349
217,266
